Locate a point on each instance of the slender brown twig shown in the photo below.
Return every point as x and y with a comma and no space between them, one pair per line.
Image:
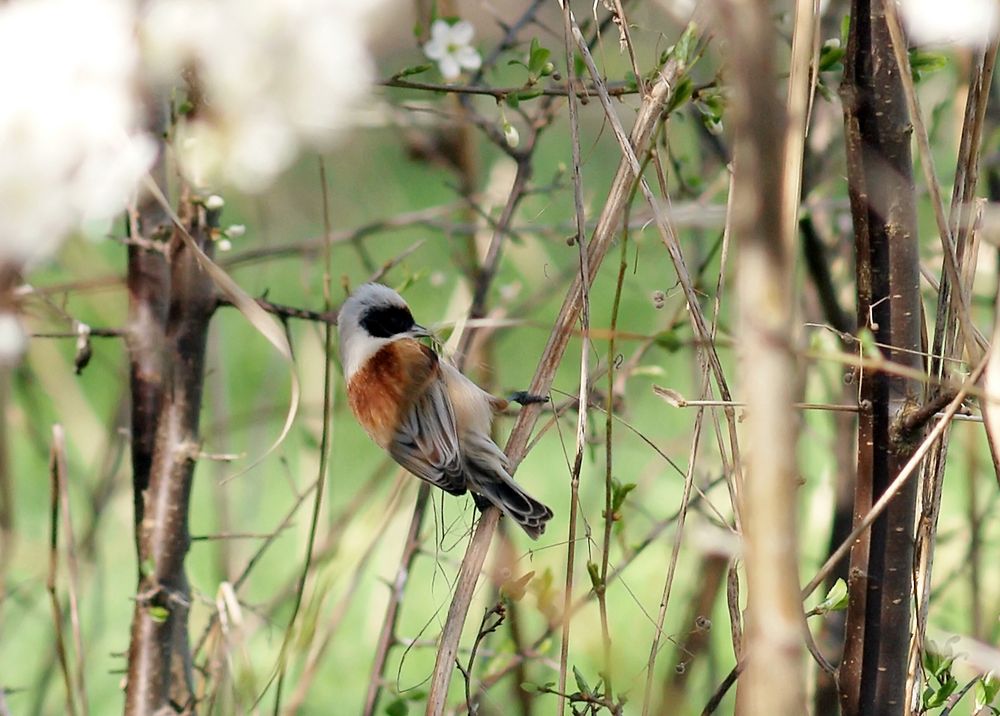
649,115
57,474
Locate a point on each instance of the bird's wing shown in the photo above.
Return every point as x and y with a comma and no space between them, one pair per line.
426,441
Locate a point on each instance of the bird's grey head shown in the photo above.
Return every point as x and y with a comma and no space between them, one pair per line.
371,317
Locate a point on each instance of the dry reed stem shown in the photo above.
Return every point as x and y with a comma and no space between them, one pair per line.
689,476
764,217
582,404
597,247
57,474
668,235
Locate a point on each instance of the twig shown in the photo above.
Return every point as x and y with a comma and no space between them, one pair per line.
57,473
688,478
59,441
324,445
485,629
598,246
581,422
580,90
334,620
387,635
897,483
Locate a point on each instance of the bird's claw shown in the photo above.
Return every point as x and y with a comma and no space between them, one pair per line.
523,397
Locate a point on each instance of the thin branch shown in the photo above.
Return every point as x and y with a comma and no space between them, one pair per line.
604,234
580,90
900,479
324,445
581,422
57,474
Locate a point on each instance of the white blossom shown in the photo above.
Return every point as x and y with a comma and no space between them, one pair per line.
510,135
13,340
276,76
965,22
70,152
214,202
450,47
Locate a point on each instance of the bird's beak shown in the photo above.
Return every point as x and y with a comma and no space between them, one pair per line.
419,331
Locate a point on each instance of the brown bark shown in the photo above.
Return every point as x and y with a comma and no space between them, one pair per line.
880,184
167,411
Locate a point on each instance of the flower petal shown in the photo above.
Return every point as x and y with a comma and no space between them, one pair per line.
461,32
449,67
468,58
441,32
435,49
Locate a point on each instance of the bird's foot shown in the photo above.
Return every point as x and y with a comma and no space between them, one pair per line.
523,397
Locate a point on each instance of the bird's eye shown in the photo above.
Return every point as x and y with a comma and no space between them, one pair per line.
387,321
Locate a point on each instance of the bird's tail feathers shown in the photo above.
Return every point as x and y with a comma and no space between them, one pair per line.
491,484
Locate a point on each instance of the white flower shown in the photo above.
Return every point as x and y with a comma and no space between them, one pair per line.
70,152
510,134
966,22
450,47
277,77
236,231
13,340
214,202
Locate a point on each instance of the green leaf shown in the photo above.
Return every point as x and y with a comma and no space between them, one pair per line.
869,348
831,55
669,341
159,614
686,45
987,689
514,589
512,101
595,576
619,492
835,600
397,708
581,683
537,57
529,687
923,62
681,94
414,70
147,567
528,94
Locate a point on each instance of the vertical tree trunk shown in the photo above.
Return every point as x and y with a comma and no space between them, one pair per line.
880,183
159,669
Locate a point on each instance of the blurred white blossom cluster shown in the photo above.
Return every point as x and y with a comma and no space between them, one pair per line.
276,76
973,23
70,147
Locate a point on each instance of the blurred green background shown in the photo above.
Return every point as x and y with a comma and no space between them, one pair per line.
367,502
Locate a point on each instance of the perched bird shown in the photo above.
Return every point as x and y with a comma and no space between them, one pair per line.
431,419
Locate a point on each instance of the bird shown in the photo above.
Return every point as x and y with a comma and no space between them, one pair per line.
429,417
